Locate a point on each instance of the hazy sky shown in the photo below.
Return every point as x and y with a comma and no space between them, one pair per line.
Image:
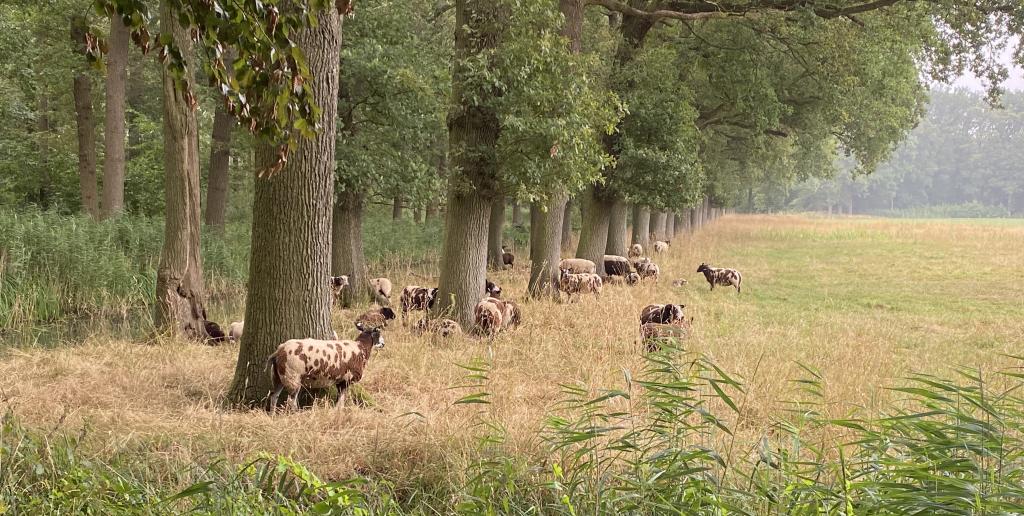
1015,82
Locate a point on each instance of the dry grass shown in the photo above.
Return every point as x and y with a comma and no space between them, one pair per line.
865,301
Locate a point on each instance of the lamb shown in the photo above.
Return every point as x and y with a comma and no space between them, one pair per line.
636,251
652,334
511,315
616,265
415,297
317,364
508,258
491,289
338,284
629,279
488,316
662,314
381,288
577,266
235,331
726,277
377,318
660,247
679,282
579,283
647,269
443,327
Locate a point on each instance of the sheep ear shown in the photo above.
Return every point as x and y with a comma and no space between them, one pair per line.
359,326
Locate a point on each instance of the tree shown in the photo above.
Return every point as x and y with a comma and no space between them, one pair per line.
114,120
292,225
82,91
219,177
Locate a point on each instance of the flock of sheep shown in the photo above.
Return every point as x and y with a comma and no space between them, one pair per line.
314,363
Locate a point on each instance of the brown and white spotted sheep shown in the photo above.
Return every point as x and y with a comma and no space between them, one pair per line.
630,279
338,284
577,266
381,287
511,315
488,316
647,269
508,258
376,318
579,283
443,327
725,277
490,289
660,247
636,251
317,364
654,334
662,314
416,298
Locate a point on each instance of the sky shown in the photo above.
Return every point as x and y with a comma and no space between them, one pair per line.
1014,83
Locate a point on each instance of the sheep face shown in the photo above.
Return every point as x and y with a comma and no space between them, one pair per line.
371,335
388,313
672,313
632,278
703,268
339,282
491,289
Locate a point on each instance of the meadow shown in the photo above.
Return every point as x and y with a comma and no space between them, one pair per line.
779,402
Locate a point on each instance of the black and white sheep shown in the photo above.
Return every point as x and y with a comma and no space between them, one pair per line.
615,265
317,364
662,314
416,298
726,277
491,289
647,269
338,284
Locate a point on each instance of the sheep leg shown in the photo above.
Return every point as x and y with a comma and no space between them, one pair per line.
341,386
293,401
272,402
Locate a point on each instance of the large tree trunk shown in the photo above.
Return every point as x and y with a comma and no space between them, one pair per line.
517,214
641,226
472,138
594,233
180,296
431,211
82,92
659,226
397,208
417,215
546,247
567,226
113,127
670,226
694,220
347,256
289,295
495,233
220,158
617,239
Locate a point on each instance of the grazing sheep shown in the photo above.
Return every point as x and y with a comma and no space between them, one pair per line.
318,364
508,258
511,315
338,284
491,289
652,334
616,265
488,316
662,314
647,269
629,279
726,277
679,282
381,287
660,247
443,327
215,335
579,283
415,297
577,266
235,331
377,318
636,251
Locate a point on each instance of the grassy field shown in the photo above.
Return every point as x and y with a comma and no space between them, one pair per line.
865,302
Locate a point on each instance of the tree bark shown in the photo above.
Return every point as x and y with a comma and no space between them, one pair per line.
546,247
473,128
517,214
289,295
694,220
594,233
495,232
670,226
220,160
347,257
417,215
114,126
617,239
567,226
431,211
180,294
82,92
642,226
659,226
397,208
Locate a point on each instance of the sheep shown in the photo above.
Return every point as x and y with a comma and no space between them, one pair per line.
651,334
647,269
679,282
381,288
579,283
491,289
317,364
660,247
727,277
377,318
508,258
662,314
629,279
488,316
635,251
511,315
616,265
338,284
577,266
415,297
215,335
235,331
443,327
